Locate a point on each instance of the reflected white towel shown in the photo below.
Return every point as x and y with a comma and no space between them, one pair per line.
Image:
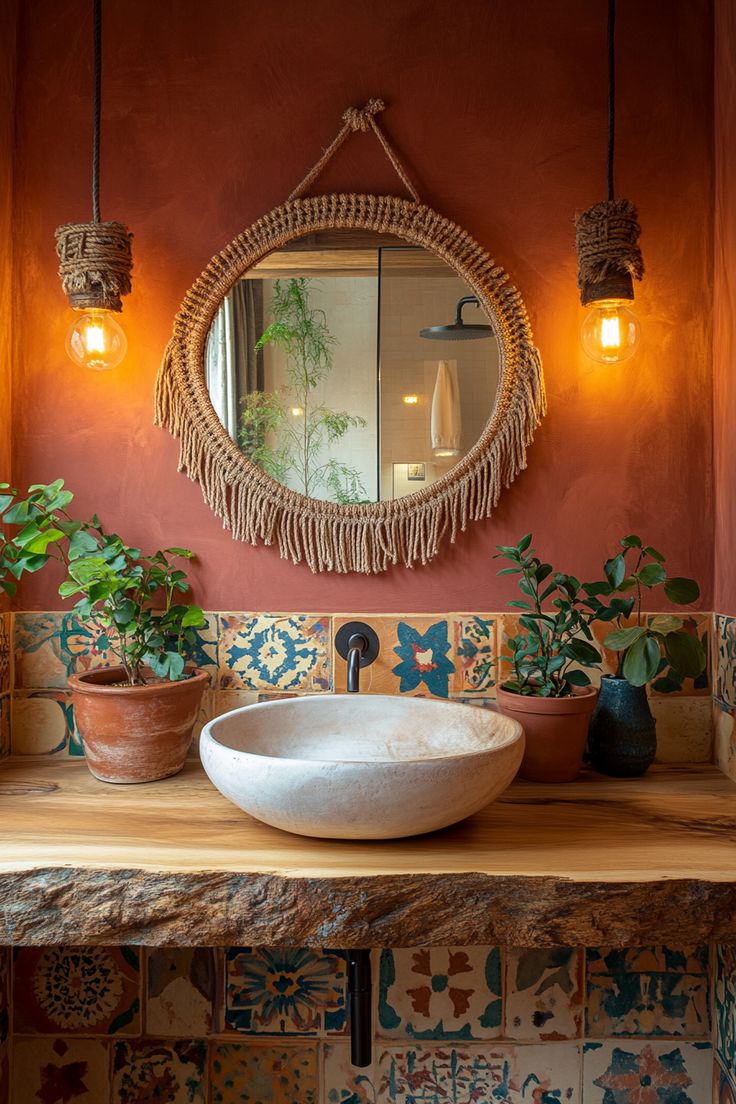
446,418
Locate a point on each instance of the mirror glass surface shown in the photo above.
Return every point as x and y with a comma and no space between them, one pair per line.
352,367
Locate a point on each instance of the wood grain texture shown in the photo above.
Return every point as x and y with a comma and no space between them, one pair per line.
599,861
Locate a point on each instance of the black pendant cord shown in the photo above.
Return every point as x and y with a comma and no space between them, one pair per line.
611,93
96,104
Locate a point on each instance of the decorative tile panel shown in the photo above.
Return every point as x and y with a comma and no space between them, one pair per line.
724,1005
264,1075
724,737
267,652
724,1087
145,1071
724,648
630,1071
284,991
440,993
181,988
76,991
493,1074
544,994
42,722
5,652
648,991
59,1071
440,655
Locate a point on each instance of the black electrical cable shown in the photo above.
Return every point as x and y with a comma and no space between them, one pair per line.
611,92
96,102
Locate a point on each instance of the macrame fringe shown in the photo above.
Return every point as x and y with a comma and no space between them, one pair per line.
354,538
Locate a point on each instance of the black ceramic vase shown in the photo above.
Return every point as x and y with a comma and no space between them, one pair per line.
622,739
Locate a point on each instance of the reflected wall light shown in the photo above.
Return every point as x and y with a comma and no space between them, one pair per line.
95,257
609,257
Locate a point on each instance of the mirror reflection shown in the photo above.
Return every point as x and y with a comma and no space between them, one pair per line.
352,367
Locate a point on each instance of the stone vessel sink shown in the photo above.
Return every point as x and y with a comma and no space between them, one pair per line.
363,766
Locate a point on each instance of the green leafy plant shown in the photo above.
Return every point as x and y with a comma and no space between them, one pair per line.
649,647
132,594
554,644
284,431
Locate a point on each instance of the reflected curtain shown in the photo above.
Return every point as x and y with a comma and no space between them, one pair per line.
233,367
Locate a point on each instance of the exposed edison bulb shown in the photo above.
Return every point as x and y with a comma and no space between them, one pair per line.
610,332
96,340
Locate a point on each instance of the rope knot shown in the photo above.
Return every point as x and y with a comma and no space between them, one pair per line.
359,118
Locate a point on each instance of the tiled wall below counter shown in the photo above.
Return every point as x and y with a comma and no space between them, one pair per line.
254,656
480,1025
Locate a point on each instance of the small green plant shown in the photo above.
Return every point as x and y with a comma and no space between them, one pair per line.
647,648
552,646
132,594
283,431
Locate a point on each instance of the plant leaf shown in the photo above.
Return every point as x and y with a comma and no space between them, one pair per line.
615,570
682,591
652,575
621,639
641,661
685,653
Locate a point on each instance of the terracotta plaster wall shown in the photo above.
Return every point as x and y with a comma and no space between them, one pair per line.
214,111
724,330
8,69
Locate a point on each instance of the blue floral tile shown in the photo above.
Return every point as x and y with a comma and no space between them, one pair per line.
544,993
632,1071
285,991
648,991
415,656
5,651
42,722
724,647
265,652
60,1071
456,1074
145,1071
724,1009
264,1074
440,993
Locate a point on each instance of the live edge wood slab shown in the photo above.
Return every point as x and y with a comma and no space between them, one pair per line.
596,862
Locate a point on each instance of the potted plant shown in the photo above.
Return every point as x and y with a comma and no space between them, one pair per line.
549,692
622,740
135,719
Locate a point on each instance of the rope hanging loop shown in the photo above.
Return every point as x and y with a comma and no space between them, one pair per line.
358,119
607,245
96,260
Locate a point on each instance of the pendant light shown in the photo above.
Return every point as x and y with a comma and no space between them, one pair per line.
609,257
95,258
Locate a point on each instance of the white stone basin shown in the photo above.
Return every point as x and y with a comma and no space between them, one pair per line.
362,766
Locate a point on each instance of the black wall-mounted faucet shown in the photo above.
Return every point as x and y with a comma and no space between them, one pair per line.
358,644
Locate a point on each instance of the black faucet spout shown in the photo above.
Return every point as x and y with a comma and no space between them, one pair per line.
357,645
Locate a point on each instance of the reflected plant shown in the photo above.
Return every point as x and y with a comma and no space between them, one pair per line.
284,432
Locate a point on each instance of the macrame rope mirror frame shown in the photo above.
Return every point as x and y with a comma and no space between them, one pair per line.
372,537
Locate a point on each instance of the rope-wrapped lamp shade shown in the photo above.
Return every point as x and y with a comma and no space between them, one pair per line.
96,260
607,245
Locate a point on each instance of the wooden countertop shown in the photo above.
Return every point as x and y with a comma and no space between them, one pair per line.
599,861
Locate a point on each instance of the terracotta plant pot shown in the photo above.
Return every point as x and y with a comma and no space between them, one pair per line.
135,733
556,732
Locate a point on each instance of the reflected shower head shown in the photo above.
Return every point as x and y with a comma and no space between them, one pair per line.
458,330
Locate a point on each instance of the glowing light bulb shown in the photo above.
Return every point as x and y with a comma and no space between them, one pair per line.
296,412
96,340
610,332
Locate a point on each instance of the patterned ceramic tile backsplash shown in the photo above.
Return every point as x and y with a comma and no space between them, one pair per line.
256,656
452,1025
724,693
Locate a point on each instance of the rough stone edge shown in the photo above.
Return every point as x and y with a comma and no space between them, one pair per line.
67,905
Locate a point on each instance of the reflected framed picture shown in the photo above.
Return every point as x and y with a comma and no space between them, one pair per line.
415,473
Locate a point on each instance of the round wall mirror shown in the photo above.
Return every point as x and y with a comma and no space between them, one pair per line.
354,379
352,367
